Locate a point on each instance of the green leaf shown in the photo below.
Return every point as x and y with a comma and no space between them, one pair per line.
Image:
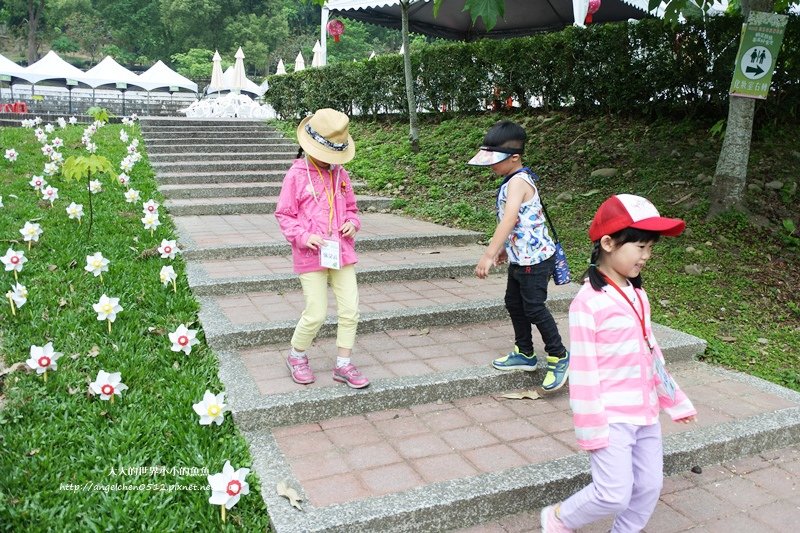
488,10
653,5
78,167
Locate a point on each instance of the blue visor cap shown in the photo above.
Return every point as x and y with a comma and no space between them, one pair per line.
491,155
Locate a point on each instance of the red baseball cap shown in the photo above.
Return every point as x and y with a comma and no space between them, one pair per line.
630,211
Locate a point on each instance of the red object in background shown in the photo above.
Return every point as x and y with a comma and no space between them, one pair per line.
335,28
20,107
594,5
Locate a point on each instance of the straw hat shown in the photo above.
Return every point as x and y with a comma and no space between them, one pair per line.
325,137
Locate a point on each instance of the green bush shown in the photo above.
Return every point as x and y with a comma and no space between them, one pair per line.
648,67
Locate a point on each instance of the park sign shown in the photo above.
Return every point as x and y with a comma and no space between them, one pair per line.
762,36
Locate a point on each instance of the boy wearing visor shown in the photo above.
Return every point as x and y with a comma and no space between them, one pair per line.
522,239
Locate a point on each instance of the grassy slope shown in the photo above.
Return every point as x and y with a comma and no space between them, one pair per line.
747,290
54,432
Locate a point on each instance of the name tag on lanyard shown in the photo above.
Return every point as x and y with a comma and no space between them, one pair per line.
663,376
330,254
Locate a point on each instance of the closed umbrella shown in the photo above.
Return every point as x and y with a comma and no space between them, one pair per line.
281,68
238,81
316,61
216,84
299,62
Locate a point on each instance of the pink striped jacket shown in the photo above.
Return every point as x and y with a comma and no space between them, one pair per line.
611,374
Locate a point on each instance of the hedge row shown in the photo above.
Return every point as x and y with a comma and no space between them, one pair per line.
645,67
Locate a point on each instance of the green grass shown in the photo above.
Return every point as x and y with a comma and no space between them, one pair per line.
55,433
744,303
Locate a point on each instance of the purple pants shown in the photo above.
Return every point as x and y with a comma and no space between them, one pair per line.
626,481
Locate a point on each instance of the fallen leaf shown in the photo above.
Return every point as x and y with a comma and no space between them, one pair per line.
72,391
62,302
288,492
33,452
72,264
590,193
423,331
726,338
682,199
156,331
531,394
74,356
94,352
176,366
52,268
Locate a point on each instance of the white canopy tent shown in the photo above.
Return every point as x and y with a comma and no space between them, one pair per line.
10,73
247,86
109,72
160,76
52,67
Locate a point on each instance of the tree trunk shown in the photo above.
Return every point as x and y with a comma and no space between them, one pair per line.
730,177
35,9
413,135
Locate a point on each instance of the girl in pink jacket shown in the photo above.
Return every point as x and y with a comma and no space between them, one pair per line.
618,382
317,214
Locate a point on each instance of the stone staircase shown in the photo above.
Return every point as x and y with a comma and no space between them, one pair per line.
431,444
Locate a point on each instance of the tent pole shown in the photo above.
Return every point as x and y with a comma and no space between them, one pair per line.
323,40
70,100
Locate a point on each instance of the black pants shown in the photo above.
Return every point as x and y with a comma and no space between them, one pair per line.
526,294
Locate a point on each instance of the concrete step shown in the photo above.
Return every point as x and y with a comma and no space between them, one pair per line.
211,136
178,129
146,122
183,157
264,317
233,236
225,190
222,166
406,367
274,272
278,145
250,205
197,178
451,464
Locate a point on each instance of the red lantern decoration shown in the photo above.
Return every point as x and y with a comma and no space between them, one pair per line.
594,5
335,29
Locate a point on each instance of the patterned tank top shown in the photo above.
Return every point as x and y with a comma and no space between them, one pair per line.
530,242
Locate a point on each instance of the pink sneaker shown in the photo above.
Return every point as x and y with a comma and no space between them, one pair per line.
351,375
551,523
301,372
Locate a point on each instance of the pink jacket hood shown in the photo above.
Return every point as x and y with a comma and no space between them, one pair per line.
303,210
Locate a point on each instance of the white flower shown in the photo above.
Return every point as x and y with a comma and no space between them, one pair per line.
107,385
134,117
167,275
37,182
41,137
132,149
123,179
125,122
11,155
49,128
134,143
75,211
95,186
98,124
31,231
73,120
107,308
47,150
126,164
150,207
91,129
123,135
96,264
50,193
57,157
19,294
14,260
57,142
27,123
61,122
228,486
43,358
132,196
211,409
151,221
135,157
37,120
1,202
51,169
168,249
183,339
91,147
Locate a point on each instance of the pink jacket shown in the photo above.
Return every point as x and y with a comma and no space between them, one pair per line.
303,210
611,375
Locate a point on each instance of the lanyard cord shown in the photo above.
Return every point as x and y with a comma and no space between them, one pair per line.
641,305
329,191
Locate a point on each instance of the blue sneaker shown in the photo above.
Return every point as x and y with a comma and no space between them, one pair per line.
515,361
557,372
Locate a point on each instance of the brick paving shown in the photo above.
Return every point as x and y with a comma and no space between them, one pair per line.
391,354
211,230
755,494
399,449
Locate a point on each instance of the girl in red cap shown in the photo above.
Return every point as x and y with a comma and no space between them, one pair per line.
618,382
